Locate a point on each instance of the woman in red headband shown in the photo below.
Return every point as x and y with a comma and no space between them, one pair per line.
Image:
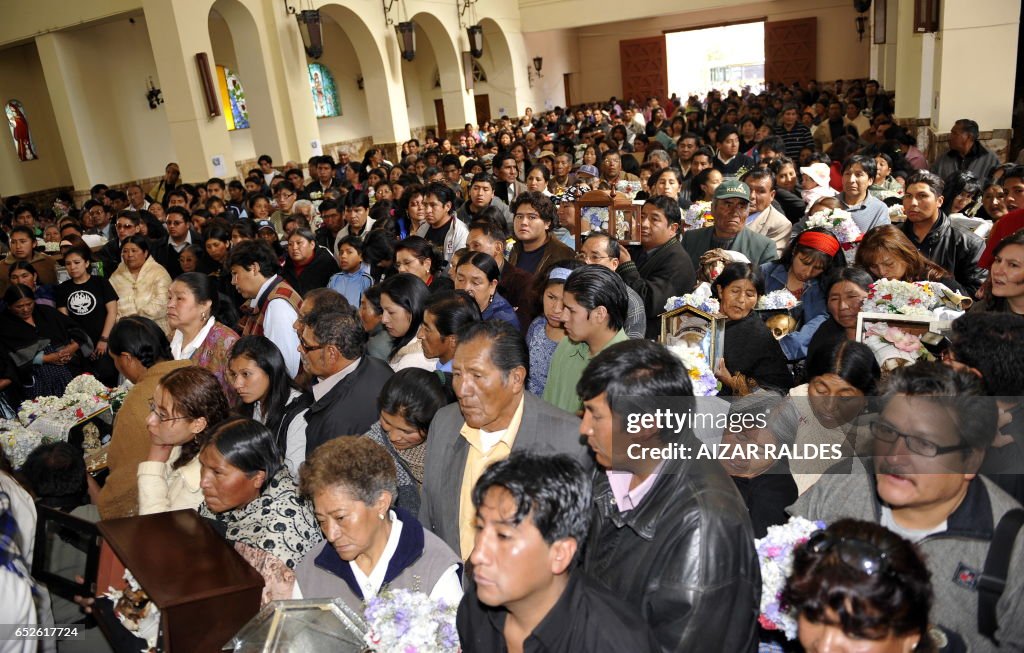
804,263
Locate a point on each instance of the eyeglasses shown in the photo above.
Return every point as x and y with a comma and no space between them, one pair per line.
309,348
859,555
886,433
153,409
590,258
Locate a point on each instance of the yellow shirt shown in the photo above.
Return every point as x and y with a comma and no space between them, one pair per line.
477,460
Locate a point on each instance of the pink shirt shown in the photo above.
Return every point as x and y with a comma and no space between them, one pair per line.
625,498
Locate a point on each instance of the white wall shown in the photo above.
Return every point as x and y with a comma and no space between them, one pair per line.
121,136
21,78
418,79
340,59
840,54
559,50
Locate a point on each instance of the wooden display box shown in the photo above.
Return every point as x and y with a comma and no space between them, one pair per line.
613,213
695,328
205,591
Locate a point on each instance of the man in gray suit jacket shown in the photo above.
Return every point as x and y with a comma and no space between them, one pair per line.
764,218
730,206
493,417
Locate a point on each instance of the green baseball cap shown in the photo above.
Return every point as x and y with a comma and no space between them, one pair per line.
732,188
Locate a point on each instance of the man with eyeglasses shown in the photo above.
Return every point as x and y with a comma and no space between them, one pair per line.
126,225
923,484
179,236
730,206
601,249
285,196
343,401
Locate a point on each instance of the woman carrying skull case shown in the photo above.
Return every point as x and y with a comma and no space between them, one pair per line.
808,259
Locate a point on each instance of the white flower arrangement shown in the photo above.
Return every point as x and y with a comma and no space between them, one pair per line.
842,226
404,621
775,555
701,377
85,384
32,409
900,297
700,299
54,417
17,441
698,216
777,299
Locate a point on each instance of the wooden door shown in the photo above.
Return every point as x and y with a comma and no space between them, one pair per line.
442,131
791,50
644,69
568,92
483,108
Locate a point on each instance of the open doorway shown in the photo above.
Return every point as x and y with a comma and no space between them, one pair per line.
725,57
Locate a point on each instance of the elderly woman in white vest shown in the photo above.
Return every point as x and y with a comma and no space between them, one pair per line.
370,545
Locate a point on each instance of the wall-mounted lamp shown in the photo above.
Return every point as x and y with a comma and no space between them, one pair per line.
861,7
309,29
533,74
153,95
387,12
926,16
462,6
407,39
359,82
476,40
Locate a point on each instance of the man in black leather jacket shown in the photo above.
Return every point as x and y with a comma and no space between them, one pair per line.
934,234
672,538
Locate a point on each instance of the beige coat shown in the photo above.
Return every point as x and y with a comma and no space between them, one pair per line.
775,225
144,295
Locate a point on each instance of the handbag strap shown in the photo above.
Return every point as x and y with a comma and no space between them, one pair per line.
997,563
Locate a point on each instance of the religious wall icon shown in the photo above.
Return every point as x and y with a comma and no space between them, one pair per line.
20,132
325,94
232,96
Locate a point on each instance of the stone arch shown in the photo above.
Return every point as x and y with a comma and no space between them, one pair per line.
458,103
249,64
387,123
497,60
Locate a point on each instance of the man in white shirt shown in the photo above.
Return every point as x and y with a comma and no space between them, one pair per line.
273,304
137,198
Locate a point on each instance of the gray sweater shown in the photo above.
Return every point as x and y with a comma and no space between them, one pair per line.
955,557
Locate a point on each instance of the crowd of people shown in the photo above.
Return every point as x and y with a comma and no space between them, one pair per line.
415,374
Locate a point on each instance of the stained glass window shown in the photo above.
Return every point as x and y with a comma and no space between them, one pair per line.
232,99
18,122
325,96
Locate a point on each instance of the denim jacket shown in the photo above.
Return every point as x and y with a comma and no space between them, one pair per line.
814,305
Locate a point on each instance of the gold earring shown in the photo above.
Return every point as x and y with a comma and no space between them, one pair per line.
381,515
